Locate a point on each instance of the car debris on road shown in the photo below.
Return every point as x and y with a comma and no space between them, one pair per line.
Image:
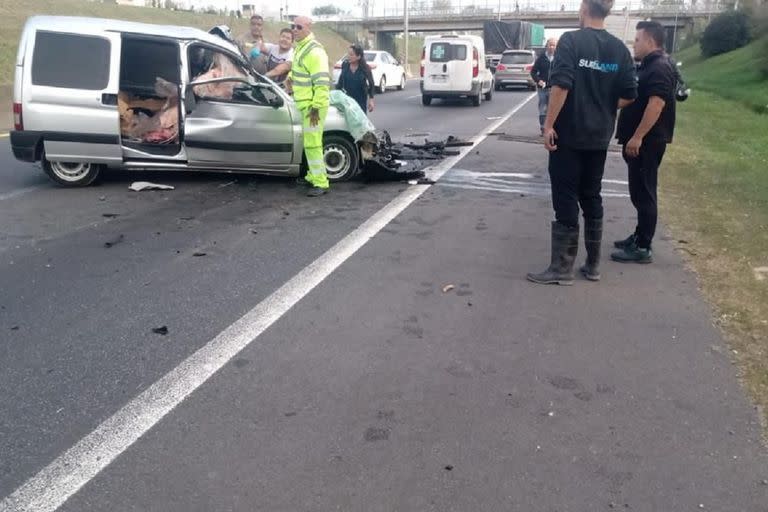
141,186
398,161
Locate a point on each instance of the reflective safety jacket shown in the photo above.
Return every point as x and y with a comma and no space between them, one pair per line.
309,74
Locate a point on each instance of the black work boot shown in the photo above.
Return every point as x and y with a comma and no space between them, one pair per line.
565,245
593,237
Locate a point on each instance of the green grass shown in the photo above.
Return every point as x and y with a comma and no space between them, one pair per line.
13,14
714,195
734,75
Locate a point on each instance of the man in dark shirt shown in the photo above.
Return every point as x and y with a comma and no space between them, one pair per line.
592,76
541,72
645,128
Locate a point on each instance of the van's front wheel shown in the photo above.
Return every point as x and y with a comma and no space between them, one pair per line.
71,174
341,158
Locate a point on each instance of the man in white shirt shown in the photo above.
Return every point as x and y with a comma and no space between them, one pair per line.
280,56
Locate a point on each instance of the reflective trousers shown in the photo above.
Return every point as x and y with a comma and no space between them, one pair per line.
313,148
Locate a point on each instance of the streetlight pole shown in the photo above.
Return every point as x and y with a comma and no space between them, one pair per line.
405,38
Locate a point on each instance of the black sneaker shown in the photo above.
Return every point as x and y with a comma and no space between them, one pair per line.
302,182
633,254
317,192
630,240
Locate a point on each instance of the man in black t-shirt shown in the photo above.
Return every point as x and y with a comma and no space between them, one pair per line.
645,128
592,76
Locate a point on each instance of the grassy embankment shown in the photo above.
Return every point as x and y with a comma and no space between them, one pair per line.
714,196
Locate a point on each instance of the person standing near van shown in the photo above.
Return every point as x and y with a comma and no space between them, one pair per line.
644,130
280,56
356,78
541,73
311,83
252,44
592,76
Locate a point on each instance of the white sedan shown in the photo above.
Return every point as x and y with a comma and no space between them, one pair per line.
386,70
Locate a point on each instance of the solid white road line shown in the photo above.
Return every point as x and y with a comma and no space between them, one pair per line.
70,471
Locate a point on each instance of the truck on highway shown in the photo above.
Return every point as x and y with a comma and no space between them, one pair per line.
500,36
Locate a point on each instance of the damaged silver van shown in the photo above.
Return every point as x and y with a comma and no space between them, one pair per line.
96,93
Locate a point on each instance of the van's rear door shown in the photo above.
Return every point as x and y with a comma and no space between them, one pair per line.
448,66
70,95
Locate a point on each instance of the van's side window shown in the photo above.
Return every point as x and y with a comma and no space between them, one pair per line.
445,52
71,61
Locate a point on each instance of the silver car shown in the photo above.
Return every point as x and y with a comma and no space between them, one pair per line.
96,93
514,68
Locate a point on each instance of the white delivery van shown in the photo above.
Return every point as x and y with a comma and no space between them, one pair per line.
454,67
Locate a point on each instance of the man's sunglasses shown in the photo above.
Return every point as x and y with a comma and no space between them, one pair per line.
296,27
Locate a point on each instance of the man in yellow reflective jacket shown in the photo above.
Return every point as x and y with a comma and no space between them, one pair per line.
311,83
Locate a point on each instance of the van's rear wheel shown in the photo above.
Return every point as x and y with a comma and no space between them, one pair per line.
426,100
341,158
477,100
71,174
489,94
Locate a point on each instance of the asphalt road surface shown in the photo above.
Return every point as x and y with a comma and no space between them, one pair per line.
377,349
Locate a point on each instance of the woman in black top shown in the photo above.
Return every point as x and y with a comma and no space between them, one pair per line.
356,78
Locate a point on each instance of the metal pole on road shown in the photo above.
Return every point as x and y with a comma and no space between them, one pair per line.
405,38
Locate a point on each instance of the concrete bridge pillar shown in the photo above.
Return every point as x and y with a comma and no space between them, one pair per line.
385,41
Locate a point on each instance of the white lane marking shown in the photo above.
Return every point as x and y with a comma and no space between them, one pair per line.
4,135
522,189
451,161
70,471
412,97
19,192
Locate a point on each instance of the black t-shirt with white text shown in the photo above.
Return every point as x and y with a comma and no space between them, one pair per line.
597,69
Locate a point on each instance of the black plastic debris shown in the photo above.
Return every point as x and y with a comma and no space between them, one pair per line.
114,241
396,161
110,215
15,328
199,254
162,331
